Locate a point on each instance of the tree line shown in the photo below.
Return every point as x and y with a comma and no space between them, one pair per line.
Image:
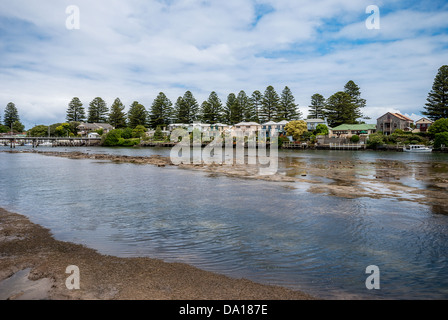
257,107
342,107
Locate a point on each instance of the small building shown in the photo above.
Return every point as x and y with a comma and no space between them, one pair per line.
281,127
390,122
247,126
85,128
93,135
150,133
349,130
174,126
313,123
219,127
271,125
422,125
203,127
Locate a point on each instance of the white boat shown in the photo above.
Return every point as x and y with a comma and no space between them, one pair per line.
45,144
417,148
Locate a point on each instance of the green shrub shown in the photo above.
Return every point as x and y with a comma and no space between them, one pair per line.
306,136
438,126
354,139
375,140
126,133
441,139
321,130
112,138
128,142
158,134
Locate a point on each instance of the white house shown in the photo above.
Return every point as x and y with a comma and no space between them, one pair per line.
271,125
313,123
247,127
85,128
93,135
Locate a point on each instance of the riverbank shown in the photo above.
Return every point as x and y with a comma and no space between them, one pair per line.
33,264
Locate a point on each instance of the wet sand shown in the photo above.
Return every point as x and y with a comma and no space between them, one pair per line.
33,265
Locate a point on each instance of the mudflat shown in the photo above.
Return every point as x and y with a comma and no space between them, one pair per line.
33,266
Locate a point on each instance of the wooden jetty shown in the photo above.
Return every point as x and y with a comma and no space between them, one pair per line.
14,141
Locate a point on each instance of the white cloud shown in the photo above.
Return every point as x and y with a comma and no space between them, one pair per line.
136,49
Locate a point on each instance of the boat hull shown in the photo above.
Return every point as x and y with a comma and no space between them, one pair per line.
418,150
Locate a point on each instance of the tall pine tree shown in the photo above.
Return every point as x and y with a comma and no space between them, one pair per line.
75,111
255,100
232,112
137,115
98,111
205,112
340,109
11,115
287,108
211,110
247,108
353,90
186,109
180,111
117,116
317,107
269,105
437,101
161,111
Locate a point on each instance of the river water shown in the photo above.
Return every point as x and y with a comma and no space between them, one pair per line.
261,230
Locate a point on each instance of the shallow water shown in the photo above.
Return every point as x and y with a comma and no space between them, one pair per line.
264,231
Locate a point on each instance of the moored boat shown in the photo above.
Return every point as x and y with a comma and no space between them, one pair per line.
417,148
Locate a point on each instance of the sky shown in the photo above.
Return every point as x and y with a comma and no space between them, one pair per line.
50,53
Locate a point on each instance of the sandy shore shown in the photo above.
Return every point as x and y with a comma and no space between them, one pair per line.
33,265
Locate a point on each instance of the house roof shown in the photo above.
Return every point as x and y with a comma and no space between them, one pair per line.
402,117
247,124
94,126
270,123
201,124
315,120
355,127
399,116
424,120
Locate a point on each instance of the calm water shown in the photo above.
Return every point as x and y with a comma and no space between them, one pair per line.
264,231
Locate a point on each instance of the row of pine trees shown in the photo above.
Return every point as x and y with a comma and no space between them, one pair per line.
239,107
342,107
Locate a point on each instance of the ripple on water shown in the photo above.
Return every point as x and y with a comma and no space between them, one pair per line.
254,229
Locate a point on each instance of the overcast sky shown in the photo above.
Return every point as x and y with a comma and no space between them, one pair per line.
135,49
